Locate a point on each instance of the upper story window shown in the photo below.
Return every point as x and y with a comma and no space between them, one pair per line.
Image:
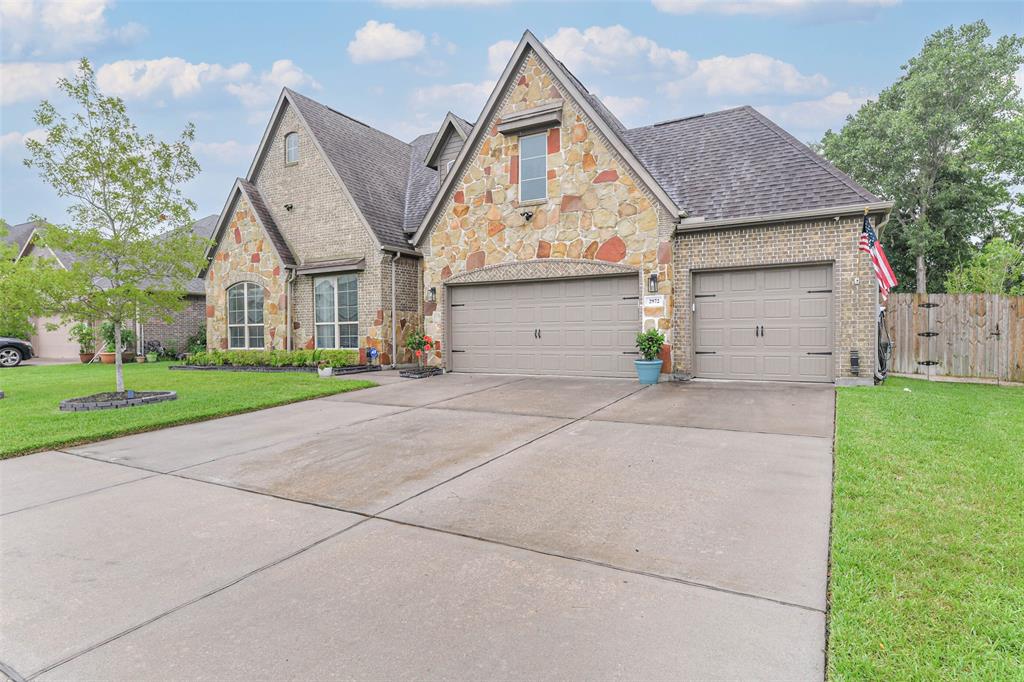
533,167
291,148
336,307
245,315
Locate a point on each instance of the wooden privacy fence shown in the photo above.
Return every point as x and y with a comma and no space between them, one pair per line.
964,335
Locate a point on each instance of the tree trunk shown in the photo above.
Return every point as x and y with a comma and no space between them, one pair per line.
922,276
118,364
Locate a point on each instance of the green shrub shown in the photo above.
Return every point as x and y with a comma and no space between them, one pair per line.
274,358
107,334
650,343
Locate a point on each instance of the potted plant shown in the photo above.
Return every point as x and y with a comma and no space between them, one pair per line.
324,369
419,343
85,336
648,368
153,351
107,355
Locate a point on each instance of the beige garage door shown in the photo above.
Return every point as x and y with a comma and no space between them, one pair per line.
772,323
574,326
55,344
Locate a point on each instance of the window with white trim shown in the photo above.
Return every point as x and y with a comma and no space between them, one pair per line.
533,167
336,306
291,148
245,315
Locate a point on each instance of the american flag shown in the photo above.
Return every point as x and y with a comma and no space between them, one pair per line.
869,244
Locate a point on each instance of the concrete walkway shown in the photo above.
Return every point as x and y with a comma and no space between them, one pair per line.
463,526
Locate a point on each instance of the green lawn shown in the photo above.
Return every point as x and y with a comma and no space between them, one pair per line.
927,578
30,419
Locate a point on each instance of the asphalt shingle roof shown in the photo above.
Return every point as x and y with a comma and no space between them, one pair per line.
373,165
19,234
423,182
736,163
256,200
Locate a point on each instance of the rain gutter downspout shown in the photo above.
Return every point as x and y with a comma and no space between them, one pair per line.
288,308
394,316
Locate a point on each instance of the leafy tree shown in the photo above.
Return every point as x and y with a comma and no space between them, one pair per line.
946,143
997,269
133,249
26,288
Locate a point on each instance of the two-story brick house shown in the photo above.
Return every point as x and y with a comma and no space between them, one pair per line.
542,237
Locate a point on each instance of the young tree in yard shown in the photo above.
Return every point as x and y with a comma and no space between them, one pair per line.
946,143
125,191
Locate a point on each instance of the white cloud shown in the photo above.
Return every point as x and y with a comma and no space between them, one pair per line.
498,55
15,140
746,75
138,78
607,49
377,42
763,7
628,109
27,81
808,119
59,26
227,152
284,73
465,97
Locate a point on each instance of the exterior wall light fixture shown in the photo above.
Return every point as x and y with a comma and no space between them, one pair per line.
432,295
652,283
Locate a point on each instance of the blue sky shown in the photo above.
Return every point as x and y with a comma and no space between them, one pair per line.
400,64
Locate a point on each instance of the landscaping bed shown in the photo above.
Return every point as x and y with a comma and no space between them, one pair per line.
353,369
420,372
32,420
112,401
926,577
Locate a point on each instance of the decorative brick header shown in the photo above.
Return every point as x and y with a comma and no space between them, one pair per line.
552,268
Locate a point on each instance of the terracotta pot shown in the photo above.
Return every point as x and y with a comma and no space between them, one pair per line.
140,359
128,356
86,357
108,358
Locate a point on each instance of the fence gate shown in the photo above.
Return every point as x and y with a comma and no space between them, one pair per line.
965,335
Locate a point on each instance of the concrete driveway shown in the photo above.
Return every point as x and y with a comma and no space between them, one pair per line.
464,526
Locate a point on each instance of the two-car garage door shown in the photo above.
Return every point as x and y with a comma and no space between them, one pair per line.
771,323
584,326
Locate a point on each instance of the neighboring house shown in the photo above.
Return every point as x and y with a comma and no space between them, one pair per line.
541,238
55,344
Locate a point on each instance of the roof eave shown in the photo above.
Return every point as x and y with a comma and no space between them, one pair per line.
436,147
700,225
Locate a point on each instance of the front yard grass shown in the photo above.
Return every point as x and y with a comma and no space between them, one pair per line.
30,419
927,577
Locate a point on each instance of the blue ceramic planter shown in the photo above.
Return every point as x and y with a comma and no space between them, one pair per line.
648,370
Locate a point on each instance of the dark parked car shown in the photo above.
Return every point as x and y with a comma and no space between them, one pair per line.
13,351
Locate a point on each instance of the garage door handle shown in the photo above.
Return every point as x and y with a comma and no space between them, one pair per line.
827,352
631,352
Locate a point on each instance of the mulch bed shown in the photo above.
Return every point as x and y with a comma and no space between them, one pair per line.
353,369
115,400
421,373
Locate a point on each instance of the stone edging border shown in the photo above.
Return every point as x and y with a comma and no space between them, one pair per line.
74,404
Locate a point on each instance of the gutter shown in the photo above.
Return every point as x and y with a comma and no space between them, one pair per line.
699,224
394,316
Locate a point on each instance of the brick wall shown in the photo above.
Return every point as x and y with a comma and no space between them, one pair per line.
854,305
174,335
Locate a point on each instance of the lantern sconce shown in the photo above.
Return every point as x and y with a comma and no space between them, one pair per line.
652,283
432,295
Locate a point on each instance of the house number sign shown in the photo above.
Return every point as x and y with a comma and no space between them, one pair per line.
654,301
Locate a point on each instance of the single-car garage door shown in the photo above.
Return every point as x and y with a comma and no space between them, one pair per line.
583,326
771,323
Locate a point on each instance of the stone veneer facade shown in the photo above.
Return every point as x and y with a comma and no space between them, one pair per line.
596,209
820,241
245,254
322,224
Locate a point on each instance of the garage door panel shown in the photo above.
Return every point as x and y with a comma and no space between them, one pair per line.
587,326
745,309
777,300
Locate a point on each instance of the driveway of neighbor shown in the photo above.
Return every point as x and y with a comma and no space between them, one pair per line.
459,526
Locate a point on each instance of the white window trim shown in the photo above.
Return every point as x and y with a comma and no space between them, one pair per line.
245,325
287,137
522,159
337,324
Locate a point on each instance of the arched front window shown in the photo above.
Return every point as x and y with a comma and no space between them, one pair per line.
245,315
291,148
